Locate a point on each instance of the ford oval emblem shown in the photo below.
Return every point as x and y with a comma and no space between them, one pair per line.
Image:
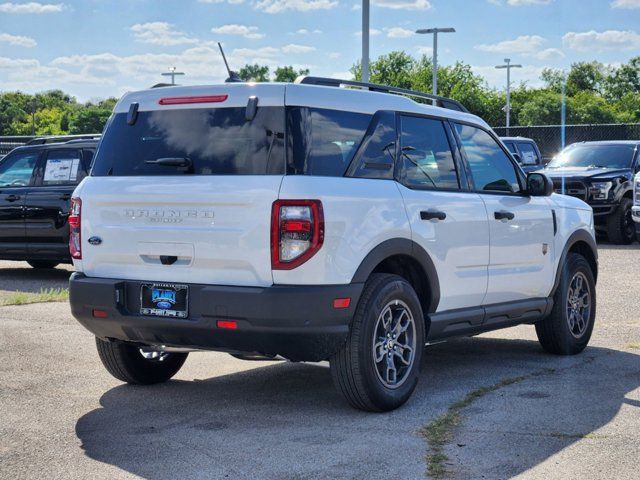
163,305
95,240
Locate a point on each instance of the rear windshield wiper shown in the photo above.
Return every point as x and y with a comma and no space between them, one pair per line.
171,162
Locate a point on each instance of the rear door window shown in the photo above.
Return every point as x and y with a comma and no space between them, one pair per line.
377,157
511,147
218,141
323,142
528,154
63,167
426,155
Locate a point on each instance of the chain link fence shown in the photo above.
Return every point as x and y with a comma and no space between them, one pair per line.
549,137
9,143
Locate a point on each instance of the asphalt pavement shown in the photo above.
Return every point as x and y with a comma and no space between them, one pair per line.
63,416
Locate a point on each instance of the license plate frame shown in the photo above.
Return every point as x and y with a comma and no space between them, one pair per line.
168,300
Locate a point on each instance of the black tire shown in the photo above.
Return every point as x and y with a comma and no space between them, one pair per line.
42,264
126,363
621,228
558,333
355,371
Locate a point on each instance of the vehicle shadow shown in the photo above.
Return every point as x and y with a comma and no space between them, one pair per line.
286,421
33,280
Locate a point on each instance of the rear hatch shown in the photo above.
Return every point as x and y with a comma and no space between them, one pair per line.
182,186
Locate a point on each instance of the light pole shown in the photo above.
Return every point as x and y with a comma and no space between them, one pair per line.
172,73
435,32
508,66
365,41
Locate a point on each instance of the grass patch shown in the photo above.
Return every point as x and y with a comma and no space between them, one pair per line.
439,432
634,345
44,295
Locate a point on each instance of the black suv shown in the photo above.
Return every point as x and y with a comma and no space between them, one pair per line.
36,183
601,174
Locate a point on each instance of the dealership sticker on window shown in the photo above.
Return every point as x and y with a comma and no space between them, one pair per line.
61,170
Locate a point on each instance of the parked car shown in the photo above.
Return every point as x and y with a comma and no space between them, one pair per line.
636,203
318,223
525,151
601,174
36,183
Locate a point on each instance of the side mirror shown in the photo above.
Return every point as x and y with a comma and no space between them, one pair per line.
539,185
517,157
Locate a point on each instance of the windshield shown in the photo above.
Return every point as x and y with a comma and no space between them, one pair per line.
595,156
198,141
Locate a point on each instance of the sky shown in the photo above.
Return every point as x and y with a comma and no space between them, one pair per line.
94,49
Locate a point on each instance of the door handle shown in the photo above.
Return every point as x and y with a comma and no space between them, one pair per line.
65,196
12,198
432,215
504,215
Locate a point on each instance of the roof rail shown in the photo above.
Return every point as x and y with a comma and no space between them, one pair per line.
438,101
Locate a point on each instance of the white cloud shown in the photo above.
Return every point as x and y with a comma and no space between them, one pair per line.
610,39
17,40
334,55
279,6
293,48
304,31
235,29
524,44
549,54
425,50
31,7
372,32
398,32
626,4
521,3
160,33
403,4
232,2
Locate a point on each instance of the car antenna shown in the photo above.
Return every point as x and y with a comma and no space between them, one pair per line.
233,76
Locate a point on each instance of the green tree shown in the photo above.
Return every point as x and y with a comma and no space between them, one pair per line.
91,119
623,80
288,73
255,73
589,107
586,76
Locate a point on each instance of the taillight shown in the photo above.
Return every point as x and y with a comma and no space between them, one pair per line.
297,232
75,244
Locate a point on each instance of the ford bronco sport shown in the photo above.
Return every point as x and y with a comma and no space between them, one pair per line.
314,222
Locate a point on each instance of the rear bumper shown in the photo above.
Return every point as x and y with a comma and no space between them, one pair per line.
296,322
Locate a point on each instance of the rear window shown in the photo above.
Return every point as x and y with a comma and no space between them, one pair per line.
323,142
216,141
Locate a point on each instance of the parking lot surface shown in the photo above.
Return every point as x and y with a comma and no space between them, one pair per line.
63,416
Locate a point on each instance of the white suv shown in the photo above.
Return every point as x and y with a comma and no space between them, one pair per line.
315,222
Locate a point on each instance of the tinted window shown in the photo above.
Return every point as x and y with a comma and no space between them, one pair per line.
63,167
16,170
217,142
490,167
528,154
607,156
323,142
378,152
427,161
511,146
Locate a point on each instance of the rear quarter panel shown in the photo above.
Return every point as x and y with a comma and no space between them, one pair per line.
359,214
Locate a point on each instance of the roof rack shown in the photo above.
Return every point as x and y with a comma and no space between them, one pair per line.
438,101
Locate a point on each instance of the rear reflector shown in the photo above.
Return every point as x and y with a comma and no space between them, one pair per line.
341,303
228,324
100,313
188,100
